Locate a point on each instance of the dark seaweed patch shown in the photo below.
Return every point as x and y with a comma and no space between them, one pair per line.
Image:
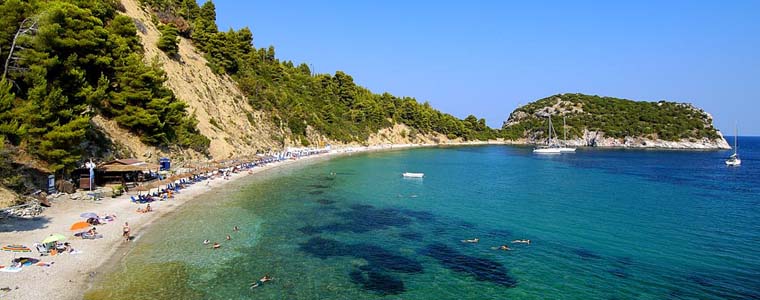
481,268
412,236
465,224
586,254
700,280
324,248
316,192
421,216
620,273
309,230
325,201
378,282
378,258
318,186
627,261
365,218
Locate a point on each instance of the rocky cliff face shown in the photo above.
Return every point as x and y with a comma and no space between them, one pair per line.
598,139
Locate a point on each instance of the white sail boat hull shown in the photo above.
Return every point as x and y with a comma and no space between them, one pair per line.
547,150
733,162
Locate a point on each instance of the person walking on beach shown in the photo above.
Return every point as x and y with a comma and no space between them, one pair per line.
126,231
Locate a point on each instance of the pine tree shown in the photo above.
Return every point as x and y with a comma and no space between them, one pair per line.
169,40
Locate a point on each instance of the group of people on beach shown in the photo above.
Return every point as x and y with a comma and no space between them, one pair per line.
503,247
145,210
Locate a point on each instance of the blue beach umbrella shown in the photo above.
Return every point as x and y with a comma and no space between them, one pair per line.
88,215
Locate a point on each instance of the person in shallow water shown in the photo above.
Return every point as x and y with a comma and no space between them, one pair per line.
235,228
475,240
206,242
229,237
504,247
216,246
261,281
521,242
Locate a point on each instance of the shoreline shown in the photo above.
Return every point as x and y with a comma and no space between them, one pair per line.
69,276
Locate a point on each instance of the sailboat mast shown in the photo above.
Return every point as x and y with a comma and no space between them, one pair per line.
564,128
736,135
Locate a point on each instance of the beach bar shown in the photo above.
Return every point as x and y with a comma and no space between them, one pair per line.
121,171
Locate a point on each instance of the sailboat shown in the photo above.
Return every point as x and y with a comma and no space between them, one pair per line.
564,148
550,148
734,160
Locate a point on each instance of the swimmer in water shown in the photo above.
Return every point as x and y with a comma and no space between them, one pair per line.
260,282
228,237
216,246
475,240
521,242
206,242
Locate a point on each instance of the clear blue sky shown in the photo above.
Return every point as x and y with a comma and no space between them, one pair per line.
487,57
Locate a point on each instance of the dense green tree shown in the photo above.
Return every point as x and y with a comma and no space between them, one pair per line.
82,58
169,40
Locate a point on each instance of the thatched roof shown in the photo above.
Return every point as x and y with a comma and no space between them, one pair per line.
129,168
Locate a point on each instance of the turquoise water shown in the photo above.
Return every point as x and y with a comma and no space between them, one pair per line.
611,224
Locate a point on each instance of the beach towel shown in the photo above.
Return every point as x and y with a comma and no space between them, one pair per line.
11,269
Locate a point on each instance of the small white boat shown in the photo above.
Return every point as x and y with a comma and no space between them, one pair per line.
733,160
413,175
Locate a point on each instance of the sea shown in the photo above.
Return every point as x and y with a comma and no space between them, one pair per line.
603,224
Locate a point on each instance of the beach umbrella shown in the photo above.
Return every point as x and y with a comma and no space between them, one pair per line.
54,238
79,225
88,215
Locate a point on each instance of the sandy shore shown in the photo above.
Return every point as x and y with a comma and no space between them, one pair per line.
70,275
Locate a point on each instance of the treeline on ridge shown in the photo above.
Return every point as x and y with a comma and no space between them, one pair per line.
617,118
332,104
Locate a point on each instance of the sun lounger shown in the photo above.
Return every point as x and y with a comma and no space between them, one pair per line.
41,249
87,236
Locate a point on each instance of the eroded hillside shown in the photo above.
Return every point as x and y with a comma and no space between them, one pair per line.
223,112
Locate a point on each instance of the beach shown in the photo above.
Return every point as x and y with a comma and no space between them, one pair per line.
68,276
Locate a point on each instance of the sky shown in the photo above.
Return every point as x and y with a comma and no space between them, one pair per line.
486,58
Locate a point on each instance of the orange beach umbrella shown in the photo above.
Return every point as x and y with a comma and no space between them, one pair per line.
79,225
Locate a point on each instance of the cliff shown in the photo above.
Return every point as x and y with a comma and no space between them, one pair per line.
596,121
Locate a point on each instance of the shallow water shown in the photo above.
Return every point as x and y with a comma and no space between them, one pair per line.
604,224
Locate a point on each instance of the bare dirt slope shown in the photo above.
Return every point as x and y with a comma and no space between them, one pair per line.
223,112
